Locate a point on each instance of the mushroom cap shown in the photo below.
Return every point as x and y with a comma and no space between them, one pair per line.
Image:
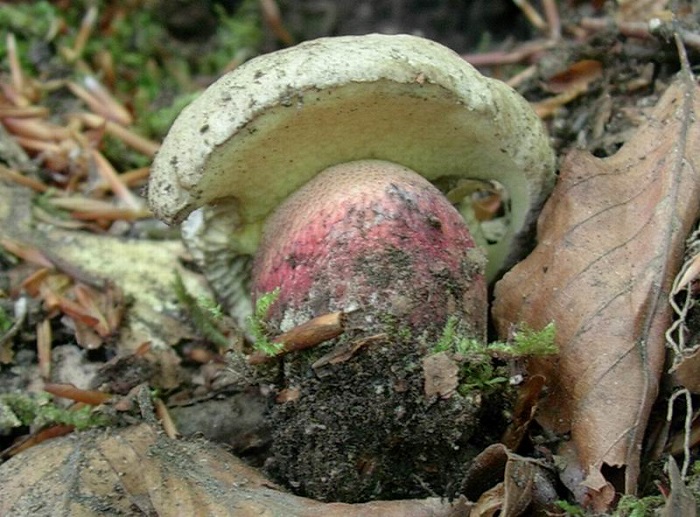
264,129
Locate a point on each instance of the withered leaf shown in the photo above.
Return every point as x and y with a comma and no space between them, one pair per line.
139,471
519,484
687,372
610,242
441,374
680,501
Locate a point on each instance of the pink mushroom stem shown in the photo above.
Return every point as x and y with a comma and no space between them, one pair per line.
374,238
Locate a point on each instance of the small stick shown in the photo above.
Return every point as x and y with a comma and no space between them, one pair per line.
21,179
86,26
344,353
166,420
501,57
641,30
20,315
26,252
136,176
531,14
273,19
97,102
36,128
88,209
23,111
35,439
40,146
43,345
136,142
307,335
15,70
523,76
551,14
115,109
110,176
69,391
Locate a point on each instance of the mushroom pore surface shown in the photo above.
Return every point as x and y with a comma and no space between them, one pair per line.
374,238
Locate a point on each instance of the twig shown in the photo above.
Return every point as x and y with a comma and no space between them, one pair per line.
551,14
273,19
687,425
69,391
43,345
15,70
23,111
136,142
531,14
519,78
110,176
100,102
21,179
641,30
86,26
307,335
20,315
166,420
501,57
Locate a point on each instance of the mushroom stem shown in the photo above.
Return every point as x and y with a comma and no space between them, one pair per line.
374,239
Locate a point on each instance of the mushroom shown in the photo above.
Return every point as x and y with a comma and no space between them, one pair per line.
268,127
318,168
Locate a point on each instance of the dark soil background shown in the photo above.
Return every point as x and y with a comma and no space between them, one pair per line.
462,25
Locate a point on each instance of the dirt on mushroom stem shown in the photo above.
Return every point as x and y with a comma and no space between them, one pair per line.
371,237
381,244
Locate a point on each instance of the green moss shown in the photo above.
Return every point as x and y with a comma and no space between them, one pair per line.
20,409
258,328
631,506
152,69
477,367
5,321
30,22
571,509
204,313
157,122
528,342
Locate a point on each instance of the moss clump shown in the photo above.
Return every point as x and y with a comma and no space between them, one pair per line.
206,315
19,409
258,328
477,367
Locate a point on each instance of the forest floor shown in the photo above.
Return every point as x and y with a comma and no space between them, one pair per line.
105,320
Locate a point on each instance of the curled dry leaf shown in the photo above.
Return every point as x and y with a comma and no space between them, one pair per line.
680,502
685,373
577,77
516,484
139,471
610,242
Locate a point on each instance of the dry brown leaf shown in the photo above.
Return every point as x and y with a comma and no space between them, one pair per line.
611,239
680,502
516,485
641,10
685,373
577,77
441,374
139,471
